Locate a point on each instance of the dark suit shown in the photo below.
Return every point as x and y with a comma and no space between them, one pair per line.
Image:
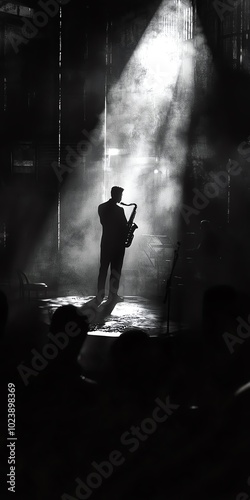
114,224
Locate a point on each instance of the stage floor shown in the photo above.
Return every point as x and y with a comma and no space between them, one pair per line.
134,312
107,323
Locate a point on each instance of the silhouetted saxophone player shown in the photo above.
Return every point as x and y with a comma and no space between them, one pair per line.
113,243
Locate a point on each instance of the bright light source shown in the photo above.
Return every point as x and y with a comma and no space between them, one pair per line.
113,151
160,56
156,171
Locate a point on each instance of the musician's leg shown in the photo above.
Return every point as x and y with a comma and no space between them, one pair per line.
104,265
116,267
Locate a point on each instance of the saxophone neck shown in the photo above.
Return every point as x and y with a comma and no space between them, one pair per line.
128,204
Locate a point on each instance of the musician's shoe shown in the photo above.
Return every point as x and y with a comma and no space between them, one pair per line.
98,300
115,298
118,298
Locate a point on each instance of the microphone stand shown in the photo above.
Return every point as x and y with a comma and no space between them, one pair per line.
167,297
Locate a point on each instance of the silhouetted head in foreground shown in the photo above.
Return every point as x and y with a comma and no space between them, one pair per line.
116,193
226,332
219,316
219,308
130,358
70,328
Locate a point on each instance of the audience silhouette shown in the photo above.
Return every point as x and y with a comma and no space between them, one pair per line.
75,423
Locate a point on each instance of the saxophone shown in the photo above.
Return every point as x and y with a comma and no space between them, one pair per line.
130,225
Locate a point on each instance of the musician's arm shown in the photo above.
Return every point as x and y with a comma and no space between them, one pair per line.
124,220
100,213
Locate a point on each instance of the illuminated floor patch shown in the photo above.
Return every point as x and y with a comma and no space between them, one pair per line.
134,312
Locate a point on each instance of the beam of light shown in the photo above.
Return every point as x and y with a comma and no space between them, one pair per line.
143,128
148,113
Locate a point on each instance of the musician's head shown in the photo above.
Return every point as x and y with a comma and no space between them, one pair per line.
116,193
